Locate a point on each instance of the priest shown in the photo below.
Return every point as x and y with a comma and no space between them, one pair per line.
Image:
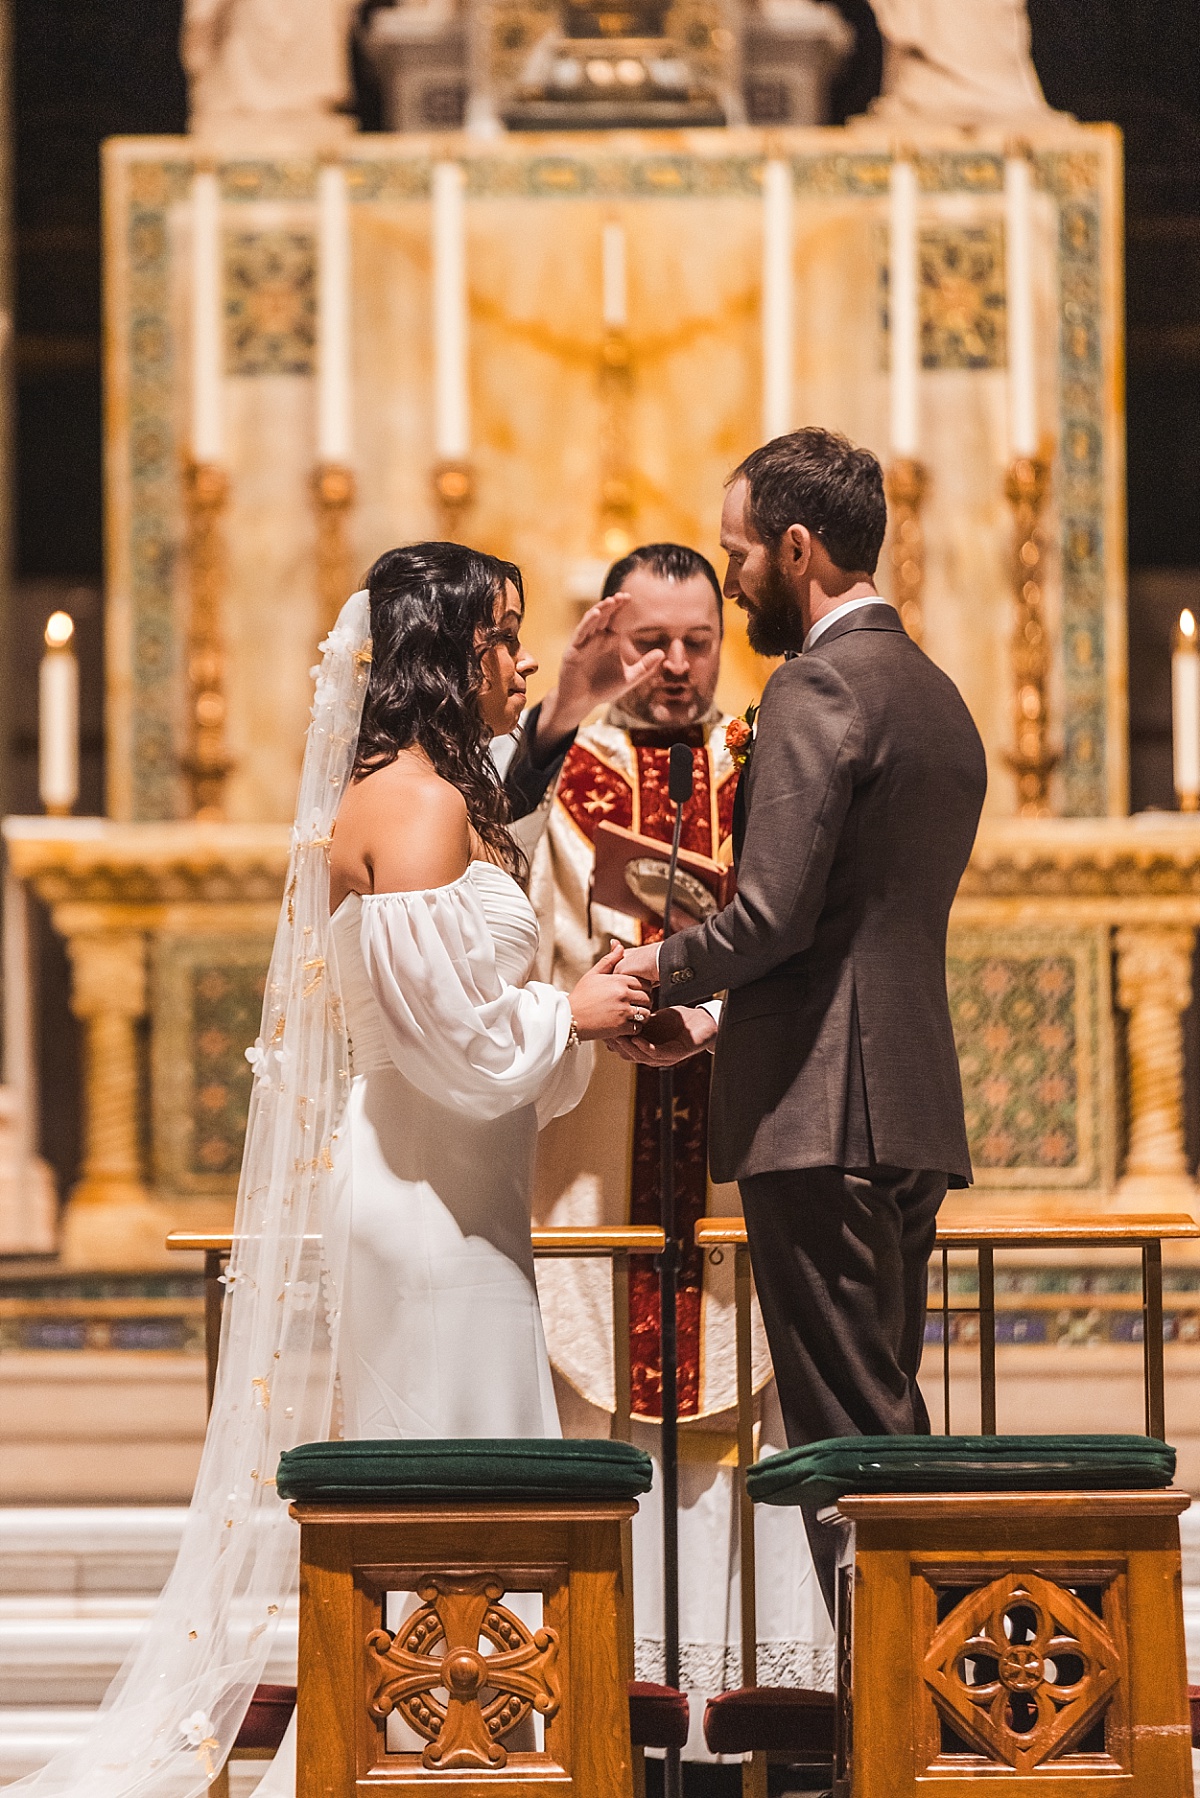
640,675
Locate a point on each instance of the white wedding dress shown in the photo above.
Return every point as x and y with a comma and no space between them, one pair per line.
454,1062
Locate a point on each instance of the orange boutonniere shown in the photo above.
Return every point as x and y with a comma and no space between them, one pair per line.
739,736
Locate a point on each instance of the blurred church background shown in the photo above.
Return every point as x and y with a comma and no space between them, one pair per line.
538,274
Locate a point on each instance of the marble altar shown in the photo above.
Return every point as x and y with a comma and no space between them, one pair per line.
552,436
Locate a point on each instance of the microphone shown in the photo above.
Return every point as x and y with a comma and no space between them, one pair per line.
679,775
680,779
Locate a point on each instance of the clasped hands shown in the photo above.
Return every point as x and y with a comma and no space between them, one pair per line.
668,1036
612,1004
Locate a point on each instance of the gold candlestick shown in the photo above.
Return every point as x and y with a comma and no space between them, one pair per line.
1033,760
907,482
207,763
334,493
453,489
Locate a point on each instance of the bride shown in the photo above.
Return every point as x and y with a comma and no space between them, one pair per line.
454,1059
382,1226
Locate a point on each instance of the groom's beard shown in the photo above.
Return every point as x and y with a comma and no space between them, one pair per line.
773,627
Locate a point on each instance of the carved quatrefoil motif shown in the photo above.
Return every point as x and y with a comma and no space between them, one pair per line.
437,1649
1021,1669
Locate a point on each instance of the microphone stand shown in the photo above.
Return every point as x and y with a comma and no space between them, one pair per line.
680,790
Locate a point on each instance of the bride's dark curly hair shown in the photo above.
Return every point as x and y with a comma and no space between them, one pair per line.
433,609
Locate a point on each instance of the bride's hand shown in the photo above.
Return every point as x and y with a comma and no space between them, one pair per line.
606,1004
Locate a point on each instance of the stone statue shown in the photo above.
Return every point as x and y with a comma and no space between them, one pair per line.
268,72
957,62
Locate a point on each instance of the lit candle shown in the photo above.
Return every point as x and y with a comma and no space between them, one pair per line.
58,718
1022,368
903,313
777,300
452,430
333,317
207,358
616,308
1185,712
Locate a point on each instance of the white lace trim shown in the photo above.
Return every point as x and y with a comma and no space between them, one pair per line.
710,1667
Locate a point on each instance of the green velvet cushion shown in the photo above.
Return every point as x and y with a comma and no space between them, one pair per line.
367,1473
823,1471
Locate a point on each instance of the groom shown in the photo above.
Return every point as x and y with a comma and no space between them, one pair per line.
836,1102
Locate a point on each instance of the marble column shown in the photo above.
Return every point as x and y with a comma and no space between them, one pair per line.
28,1200
1154,987
111,1219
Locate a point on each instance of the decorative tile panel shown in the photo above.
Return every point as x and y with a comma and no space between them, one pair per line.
270,303
153,478
962,299
837,176
107,1313
955,172
1073,180
207,1005
1032,1015
268,179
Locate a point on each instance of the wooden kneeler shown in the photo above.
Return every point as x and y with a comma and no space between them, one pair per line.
1009,1610
448,1690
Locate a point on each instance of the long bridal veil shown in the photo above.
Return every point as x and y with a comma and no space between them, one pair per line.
171,1714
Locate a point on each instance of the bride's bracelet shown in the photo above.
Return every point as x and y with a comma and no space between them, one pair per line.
573,1034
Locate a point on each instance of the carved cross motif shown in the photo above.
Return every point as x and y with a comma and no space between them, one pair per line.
1021,1669
438,1647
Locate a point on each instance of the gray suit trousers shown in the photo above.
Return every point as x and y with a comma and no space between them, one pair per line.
841,1260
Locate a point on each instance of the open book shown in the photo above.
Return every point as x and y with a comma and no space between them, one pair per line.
631,876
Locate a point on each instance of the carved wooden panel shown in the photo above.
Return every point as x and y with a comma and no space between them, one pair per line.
439,1649
1022,1669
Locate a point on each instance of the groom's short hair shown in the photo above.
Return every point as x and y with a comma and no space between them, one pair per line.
671,562
818,479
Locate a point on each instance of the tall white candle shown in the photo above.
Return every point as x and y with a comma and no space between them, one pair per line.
333,316
1185,712
1022,366
207,356
452,418
58,717
903,313
615,287
777,376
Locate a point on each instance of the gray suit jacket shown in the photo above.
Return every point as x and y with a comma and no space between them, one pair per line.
862,796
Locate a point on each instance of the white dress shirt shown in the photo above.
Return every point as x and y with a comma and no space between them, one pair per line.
842,611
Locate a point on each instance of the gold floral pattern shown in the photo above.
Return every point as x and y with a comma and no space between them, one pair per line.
1030,1028
270,302
961,294
963,306
208,996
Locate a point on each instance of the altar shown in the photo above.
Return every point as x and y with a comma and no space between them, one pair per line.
555,345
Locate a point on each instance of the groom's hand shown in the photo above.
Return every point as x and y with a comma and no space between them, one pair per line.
668,1036
598,666
642,963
